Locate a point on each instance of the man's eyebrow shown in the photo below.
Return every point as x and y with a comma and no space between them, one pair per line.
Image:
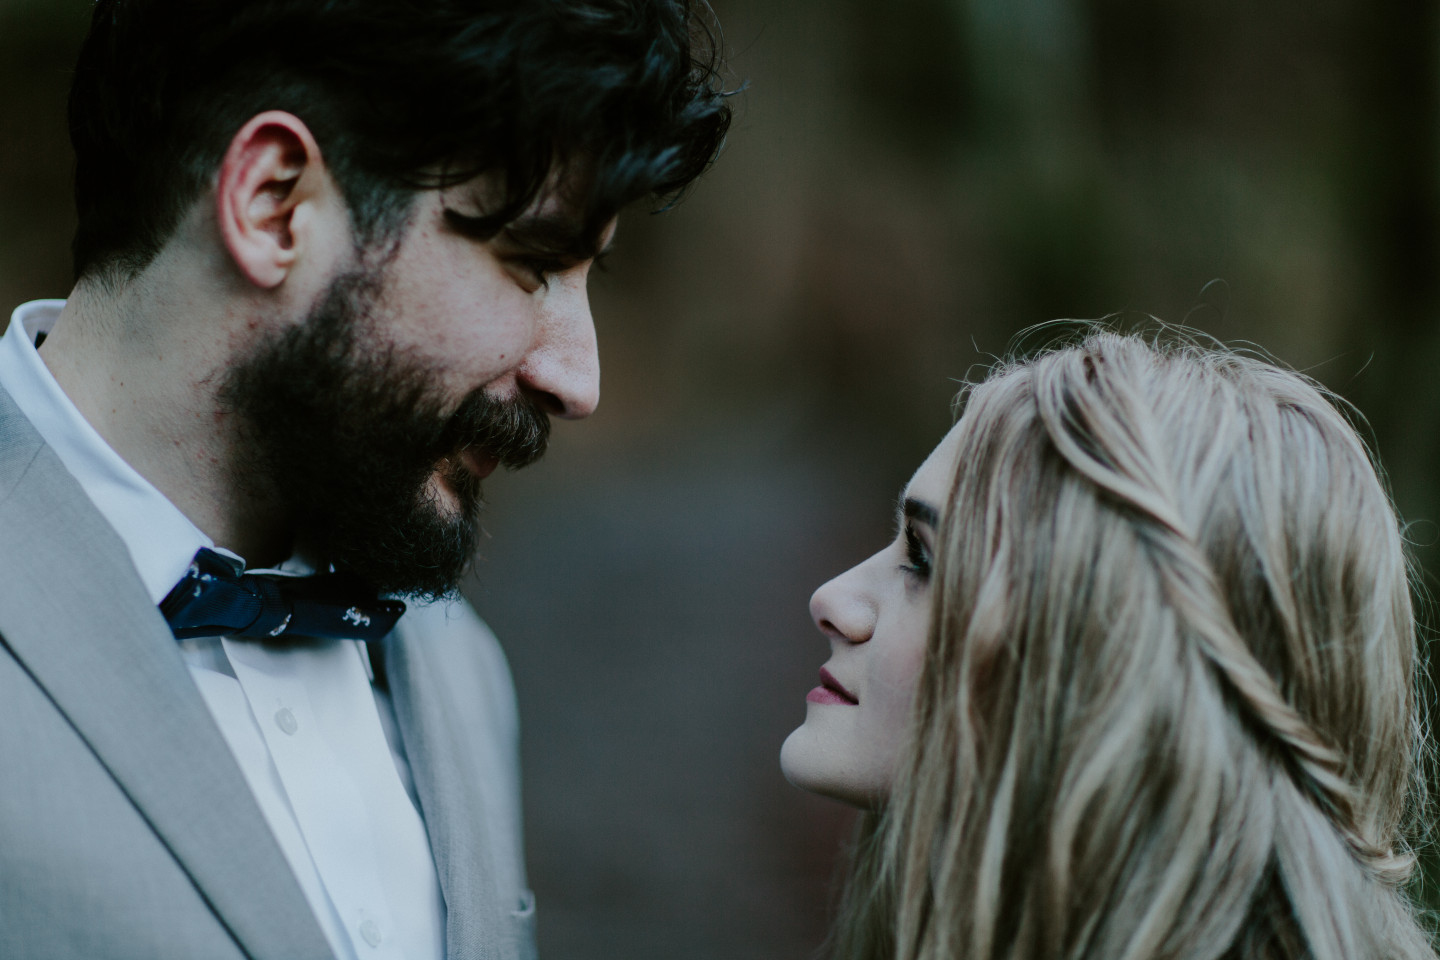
914,509
554,233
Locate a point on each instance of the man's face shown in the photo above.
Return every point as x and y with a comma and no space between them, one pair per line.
373,421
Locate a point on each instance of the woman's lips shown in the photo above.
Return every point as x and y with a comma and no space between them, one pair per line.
830,691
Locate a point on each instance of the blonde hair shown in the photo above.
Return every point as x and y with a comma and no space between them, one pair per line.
1168,704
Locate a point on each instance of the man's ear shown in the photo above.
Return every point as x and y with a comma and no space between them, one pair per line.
271,185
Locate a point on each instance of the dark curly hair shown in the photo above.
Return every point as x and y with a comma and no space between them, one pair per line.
401,95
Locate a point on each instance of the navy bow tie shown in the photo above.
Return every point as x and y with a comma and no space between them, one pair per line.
216,597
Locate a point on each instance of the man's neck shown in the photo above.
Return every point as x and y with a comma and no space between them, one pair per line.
143,362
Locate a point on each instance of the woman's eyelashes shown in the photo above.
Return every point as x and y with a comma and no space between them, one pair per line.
917,555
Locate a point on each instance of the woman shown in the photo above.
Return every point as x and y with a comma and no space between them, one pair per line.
1135,680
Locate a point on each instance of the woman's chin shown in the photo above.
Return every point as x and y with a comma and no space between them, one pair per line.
793,761
810,764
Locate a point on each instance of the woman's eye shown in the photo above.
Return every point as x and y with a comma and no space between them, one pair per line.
917,557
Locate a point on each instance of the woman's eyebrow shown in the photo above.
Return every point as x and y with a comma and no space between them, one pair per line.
920,510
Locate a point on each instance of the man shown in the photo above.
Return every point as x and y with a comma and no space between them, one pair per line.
331,264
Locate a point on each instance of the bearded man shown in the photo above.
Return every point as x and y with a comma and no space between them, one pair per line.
331,262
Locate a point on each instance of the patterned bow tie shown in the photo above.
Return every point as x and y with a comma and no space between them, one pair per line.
216,597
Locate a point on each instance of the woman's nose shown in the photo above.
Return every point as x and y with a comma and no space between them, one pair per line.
843,609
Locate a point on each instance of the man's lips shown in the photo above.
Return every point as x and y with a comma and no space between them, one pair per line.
478,462
831,691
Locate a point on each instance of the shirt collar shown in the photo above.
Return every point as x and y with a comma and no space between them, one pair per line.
160,538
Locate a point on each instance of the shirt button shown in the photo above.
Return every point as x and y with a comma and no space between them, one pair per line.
370,930
286,721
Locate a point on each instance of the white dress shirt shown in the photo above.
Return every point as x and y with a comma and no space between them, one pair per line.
316,742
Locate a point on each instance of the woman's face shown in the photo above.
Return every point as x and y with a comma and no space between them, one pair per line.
876,617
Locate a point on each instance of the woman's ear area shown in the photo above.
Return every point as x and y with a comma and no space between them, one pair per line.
271,189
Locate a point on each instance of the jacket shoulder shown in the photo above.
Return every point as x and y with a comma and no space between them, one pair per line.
473,665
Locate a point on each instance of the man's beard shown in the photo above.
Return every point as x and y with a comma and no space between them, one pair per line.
347,438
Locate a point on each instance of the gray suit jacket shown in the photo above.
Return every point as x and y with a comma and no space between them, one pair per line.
127,829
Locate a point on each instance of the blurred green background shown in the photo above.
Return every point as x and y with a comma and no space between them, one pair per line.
907,184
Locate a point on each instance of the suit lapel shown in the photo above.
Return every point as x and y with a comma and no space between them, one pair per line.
450,800
75,614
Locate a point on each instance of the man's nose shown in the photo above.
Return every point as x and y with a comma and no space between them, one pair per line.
562,371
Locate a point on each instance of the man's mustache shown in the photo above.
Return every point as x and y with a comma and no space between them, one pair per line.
513,430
